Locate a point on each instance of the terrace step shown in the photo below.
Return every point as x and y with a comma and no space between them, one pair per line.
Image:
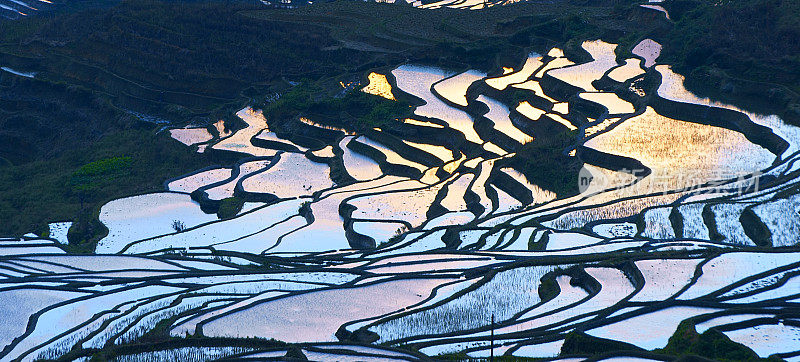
723,222
657,223
692,223
782,218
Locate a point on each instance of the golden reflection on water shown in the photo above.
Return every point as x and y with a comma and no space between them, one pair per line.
379,86
533,62
220,126
556,53
429,176
599,127
672,88
527,110
631,69
562,107
498,114
454,89
451,167
554,64
440,152
422,123
491,147
534,86
611,101
676,149
391,155
563,121
418,80
324,126
582,75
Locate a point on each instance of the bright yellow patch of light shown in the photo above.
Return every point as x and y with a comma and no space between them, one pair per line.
529,111
323,126
629,70
599,127
562,108
534,86
440,152
563,121
451,167
554,64
531,64
429,177
556,53
379,86
491,147
473,162
611,101
422,123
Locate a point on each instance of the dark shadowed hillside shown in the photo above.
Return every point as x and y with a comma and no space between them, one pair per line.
740,50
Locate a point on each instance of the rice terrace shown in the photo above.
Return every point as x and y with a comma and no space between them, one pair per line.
245,180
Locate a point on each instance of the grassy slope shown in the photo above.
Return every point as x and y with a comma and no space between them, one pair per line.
41,191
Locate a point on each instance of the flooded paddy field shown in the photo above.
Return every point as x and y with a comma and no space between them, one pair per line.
440,234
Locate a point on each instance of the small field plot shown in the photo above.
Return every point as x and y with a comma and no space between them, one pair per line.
582,75
292,176
470,310
316,316
649,331
144,216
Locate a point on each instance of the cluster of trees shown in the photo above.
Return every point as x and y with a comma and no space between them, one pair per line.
354,110
544,162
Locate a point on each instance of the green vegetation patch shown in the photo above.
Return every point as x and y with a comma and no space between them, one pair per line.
711,344
544,163
107,170
73,185
230,207
685,343
355,110
583,344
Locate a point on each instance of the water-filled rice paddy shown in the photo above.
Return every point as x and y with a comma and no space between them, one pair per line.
417,241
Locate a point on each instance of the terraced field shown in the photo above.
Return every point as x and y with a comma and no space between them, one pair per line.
13,9
21,9
404,242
